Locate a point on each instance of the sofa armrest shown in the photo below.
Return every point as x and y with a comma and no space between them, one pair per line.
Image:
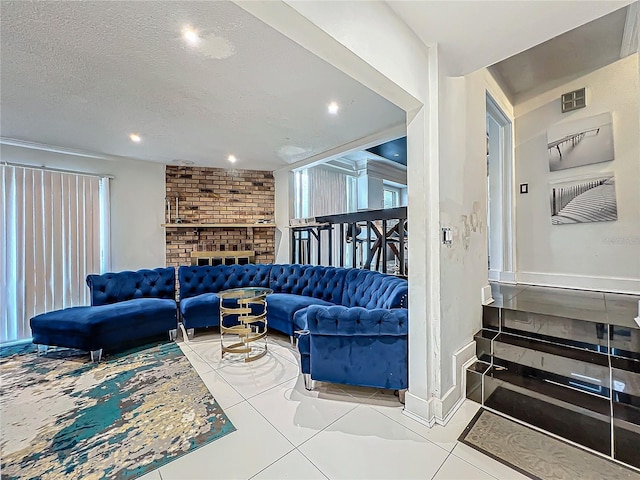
356,321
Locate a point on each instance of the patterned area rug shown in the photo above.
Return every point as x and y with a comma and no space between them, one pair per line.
535,454
63,417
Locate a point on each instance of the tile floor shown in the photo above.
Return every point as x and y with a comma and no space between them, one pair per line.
334,431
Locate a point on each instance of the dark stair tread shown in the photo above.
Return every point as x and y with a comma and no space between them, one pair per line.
582,355
579,428
551,387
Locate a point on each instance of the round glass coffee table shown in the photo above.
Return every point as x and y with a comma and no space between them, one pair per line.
243,314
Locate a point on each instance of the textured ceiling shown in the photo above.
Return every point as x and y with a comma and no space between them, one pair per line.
84,75
575,53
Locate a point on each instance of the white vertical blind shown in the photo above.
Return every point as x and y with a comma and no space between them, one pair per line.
50,240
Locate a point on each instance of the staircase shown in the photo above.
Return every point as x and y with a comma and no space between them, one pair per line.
565,361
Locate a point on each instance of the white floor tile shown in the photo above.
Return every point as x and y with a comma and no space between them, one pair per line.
385,398
444,436
239,455
299,414
285,352
485,463
211,352
456,469
253,378
359,394
294,465
154,475
364,444
225,394
280,338
197,362
183,346
204,335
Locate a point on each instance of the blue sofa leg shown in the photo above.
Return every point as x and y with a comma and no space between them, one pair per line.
96,355
308,383
42,349
293,341
173,334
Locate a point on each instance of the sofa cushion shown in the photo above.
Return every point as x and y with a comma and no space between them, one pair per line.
324,283
111,288
200,311
105,326
368,289
196,280
281,307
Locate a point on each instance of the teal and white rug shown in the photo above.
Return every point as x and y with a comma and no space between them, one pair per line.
62,416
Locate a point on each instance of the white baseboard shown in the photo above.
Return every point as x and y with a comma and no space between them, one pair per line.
602,284
418,408
444,408
486,297
417,418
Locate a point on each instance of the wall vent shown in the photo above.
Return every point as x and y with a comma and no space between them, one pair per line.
573,100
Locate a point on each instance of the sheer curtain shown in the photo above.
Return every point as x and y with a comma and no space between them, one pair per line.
327,191
50,239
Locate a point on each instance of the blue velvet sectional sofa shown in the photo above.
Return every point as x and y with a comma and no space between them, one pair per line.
127,308
352,324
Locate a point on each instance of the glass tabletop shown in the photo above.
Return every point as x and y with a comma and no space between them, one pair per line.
245,293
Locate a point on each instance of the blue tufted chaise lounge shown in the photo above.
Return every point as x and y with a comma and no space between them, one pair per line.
127,308
351,323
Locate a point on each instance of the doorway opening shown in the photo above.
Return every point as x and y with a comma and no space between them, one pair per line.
499,194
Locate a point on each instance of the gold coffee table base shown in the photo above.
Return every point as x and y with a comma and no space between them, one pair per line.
247,331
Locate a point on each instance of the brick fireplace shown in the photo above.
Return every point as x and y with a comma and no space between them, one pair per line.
219,209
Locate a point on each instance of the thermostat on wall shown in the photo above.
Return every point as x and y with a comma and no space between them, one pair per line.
524,188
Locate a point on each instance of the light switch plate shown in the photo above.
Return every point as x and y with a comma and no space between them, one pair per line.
447,236
524,188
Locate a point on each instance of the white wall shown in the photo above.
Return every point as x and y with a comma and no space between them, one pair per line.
463,208
283,212
397,65
137,202
604,255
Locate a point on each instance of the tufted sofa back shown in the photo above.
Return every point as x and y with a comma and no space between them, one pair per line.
325,283
368,289
342,286
196,280
119,287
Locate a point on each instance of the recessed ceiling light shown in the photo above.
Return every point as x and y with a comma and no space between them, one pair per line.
231,158
135,138
190,36
333,108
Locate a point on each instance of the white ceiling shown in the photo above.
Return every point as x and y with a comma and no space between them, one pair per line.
475,34
84,75
572,54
